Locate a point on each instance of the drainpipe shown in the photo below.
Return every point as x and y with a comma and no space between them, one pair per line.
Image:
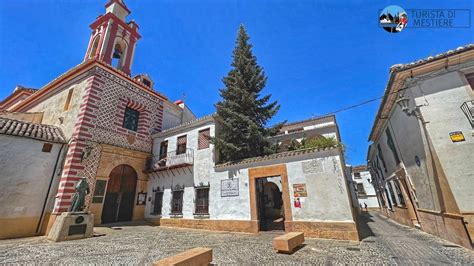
43,210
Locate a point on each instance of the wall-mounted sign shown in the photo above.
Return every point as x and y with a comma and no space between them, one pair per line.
299,190
456,136
230,187
141,199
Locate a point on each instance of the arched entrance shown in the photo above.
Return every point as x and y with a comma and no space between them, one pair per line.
120,196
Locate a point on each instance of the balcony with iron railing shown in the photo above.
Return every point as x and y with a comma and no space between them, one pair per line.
172,160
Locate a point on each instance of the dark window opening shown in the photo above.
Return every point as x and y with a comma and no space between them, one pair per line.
202,201
381,158
158,203
163,149
47,147
147,82
391,145
360,189
130,120
357,175
177,202
399,194
181,148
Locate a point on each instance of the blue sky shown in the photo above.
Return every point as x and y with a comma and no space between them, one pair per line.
319,56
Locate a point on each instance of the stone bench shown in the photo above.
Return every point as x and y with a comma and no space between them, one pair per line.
196,256
288,242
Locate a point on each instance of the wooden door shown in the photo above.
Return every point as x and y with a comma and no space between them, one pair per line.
120,196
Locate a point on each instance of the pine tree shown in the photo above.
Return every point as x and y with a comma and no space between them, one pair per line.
242,114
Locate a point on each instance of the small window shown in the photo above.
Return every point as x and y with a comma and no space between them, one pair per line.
94,46
202,201
360,189
177,202
204,139
130,120
163,149
67,104
181,148
357,175
147,82
47,147
158,203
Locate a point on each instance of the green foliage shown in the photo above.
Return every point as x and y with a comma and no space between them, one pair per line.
316,142
242,113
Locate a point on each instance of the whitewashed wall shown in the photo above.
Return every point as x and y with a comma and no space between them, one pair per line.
25,175
328,198
439,99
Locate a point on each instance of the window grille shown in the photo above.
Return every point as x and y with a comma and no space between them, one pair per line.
202,200
130,119
157,201
181,148
177,200
204,139
468,109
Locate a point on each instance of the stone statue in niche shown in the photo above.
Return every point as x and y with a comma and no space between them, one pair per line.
82,189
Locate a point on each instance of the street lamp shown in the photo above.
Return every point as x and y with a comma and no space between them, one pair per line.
404,103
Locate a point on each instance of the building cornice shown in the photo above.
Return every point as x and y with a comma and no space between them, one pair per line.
74,72
185,126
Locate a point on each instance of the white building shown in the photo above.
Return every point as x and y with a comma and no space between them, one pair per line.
303,190
421,156
365,191
30,167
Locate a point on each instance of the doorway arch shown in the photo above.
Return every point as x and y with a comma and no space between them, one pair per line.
120,196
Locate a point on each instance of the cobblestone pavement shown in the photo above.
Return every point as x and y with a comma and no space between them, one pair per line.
384,242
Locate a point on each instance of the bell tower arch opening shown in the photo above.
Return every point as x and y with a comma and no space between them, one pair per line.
113,39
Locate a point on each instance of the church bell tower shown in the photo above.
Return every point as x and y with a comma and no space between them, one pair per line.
113,39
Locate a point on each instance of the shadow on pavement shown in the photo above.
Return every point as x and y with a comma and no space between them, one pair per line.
363,225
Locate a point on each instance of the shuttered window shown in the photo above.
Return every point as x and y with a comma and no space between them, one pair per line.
204,139
181,148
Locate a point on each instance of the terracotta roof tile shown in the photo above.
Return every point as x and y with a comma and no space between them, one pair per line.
272,156
31,130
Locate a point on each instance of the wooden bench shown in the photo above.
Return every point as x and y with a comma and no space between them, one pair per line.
196,256
288,242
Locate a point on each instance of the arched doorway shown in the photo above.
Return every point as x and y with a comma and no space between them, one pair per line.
120,196
270,204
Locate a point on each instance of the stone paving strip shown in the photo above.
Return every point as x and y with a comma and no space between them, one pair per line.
384,242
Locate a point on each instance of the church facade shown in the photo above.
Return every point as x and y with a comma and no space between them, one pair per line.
107,117
118,129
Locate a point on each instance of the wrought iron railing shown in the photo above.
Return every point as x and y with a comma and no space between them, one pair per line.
468,109
173,159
